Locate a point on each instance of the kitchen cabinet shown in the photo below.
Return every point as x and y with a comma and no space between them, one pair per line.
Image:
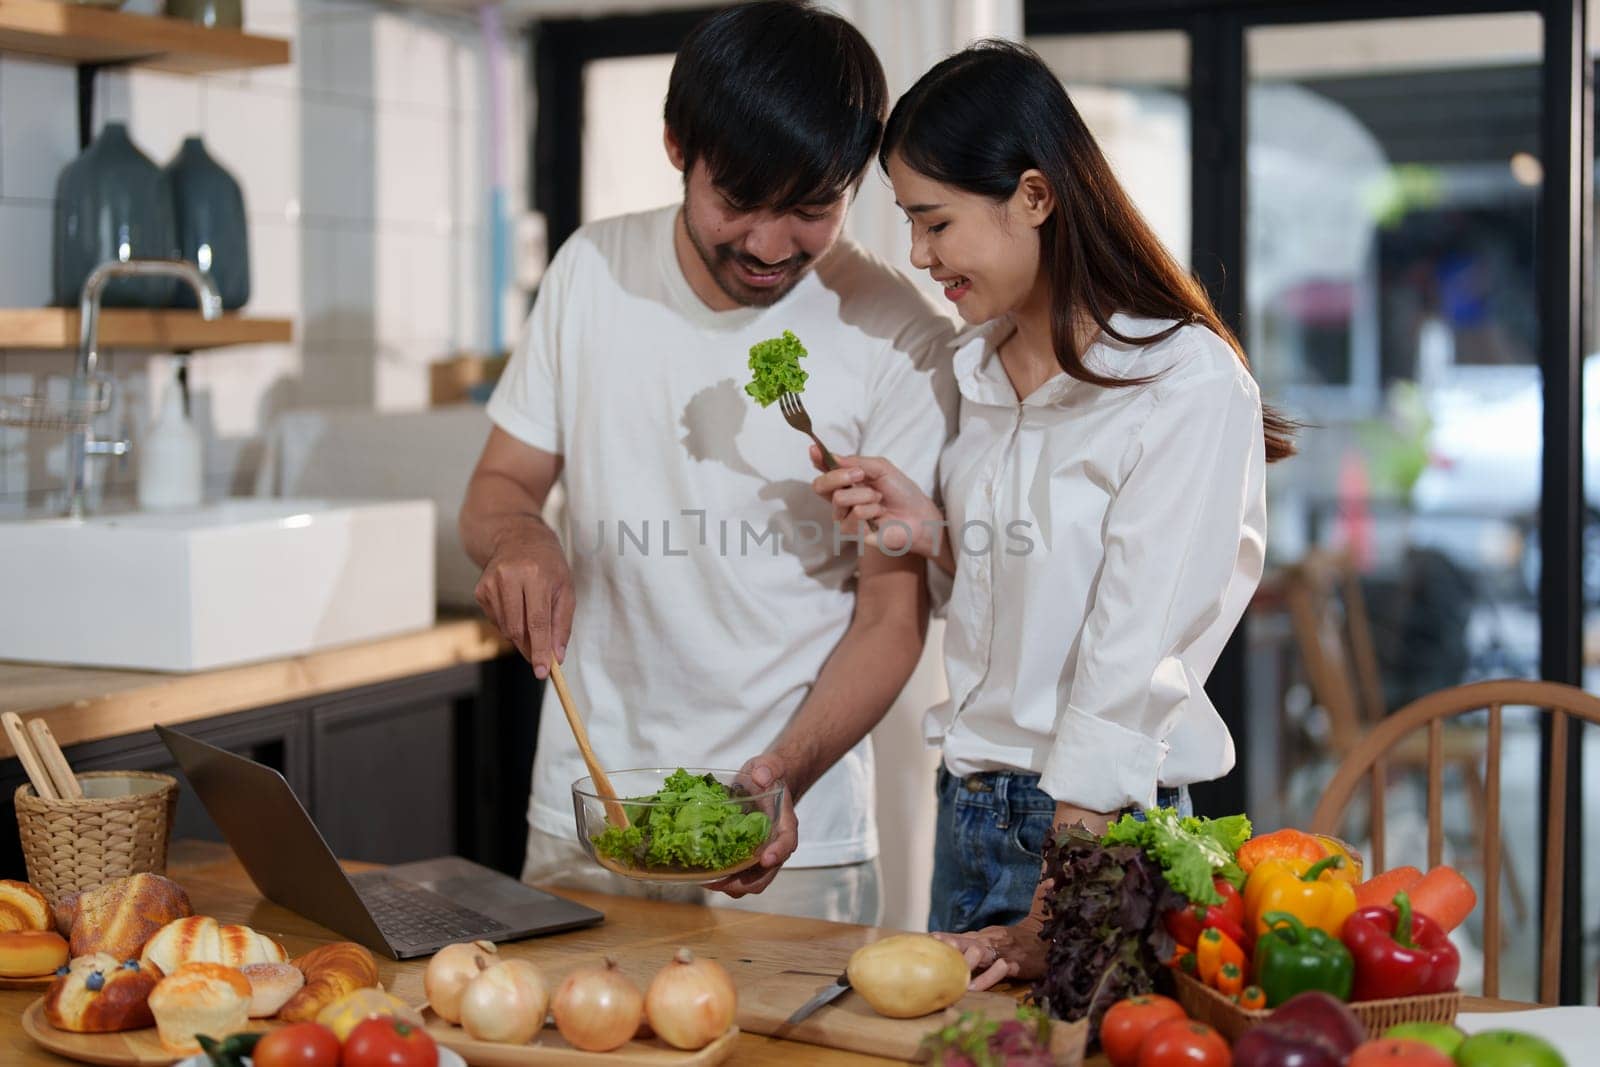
409,768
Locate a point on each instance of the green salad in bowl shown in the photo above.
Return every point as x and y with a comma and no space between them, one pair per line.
683,824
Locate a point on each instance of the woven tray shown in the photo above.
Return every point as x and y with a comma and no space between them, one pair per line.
1206,1005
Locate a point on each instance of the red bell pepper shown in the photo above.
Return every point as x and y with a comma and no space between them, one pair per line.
1399,953
1186,924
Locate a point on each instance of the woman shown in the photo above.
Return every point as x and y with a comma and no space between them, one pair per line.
1104,506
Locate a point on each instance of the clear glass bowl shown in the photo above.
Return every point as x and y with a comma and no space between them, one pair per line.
705,840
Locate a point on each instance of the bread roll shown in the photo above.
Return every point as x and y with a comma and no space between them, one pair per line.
22,907
199,998
31,953
331,971
120,916
201,939
271,986
100,994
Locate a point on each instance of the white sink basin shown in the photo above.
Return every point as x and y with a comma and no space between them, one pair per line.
232,582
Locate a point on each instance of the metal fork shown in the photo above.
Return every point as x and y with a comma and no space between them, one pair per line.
794,412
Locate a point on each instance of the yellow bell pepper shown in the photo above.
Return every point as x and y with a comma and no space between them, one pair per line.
1309,893
1353,867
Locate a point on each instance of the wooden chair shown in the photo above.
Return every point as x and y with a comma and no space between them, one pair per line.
1429,714
1334,634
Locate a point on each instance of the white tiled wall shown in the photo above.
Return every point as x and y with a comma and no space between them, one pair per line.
361,164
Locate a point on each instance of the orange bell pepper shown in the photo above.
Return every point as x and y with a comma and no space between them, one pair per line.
1252,998
1309,894
1353,868
1280,845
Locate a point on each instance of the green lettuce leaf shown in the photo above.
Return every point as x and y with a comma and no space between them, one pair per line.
1191,851
775,368
691,822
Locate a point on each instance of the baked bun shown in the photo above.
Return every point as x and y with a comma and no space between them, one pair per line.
199,998
120,916
22,907
31,953
331,971
271,986
98,995
201,939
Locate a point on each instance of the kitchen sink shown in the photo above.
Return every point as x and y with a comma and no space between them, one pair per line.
232,582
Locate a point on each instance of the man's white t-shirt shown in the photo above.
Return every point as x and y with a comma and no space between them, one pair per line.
710,585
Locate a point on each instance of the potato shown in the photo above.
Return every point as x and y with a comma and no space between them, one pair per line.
908,975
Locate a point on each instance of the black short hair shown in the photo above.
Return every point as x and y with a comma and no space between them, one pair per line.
784,102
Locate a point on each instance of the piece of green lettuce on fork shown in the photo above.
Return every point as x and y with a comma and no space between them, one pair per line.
775,368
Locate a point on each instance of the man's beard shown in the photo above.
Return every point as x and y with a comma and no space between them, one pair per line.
720,262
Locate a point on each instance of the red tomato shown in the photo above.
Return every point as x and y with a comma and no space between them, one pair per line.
300,1045
1123,1029
388,1042
1398,1052
1184,1043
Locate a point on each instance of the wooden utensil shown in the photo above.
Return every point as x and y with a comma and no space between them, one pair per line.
615,815
20,741
54,760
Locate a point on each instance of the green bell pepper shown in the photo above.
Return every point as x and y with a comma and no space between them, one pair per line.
1292,957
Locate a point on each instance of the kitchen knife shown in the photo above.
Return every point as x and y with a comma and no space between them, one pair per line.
829,994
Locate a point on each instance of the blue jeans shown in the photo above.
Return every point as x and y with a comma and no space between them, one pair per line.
988,847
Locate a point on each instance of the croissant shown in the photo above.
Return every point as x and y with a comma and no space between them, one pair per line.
22,907
331,971
119,917
201,939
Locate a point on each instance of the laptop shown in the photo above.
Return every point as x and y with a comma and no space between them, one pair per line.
413,909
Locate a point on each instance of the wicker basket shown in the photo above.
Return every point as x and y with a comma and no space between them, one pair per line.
120,827
1206,1005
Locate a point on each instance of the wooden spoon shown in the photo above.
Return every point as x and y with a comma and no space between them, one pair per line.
54,760
23,745
615,815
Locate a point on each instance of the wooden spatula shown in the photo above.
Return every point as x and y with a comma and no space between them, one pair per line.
615,815
17,734
54,760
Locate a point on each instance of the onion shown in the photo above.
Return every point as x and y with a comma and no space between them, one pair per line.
506,1003
451,968
690,1002
597,1009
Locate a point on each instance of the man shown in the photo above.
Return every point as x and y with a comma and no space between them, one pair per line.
710,611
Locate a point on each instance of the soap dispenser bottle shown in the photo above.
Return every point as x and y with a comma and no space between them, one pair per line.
171,457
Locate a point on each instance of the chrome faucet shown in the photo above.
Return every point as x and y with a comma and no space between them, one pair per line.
82,444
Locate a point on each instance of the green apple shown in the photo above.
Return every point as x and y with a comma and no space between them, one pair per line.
1507,1048
1441,1036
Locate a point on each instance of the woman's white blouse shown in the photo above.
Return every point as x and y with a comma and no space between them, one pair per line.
1107,542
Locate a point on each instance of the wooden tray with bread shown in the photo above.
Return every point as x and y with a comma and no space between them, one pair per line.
145,978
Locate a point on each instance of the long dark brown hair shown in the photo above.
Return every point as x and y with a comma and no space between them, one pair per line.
980,118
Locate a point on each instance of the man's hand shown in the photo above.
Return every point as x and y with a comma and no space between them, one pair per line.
759,774
526,591
999,953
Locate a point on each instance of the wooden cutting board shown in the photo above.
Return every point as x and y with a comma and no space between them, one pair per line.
765,1005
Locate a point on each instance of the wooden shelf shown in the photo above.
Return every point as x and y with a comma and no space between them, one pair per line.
77,34
53,328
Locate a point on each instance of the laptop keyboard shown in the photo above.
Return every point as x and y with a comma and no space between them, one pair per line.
408,913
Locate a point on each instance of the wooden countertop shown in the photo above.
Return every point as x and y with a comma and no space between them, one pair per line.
640,934
87,704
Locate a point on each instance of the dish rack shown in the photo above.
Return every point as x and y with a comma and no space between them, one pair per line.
64,403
